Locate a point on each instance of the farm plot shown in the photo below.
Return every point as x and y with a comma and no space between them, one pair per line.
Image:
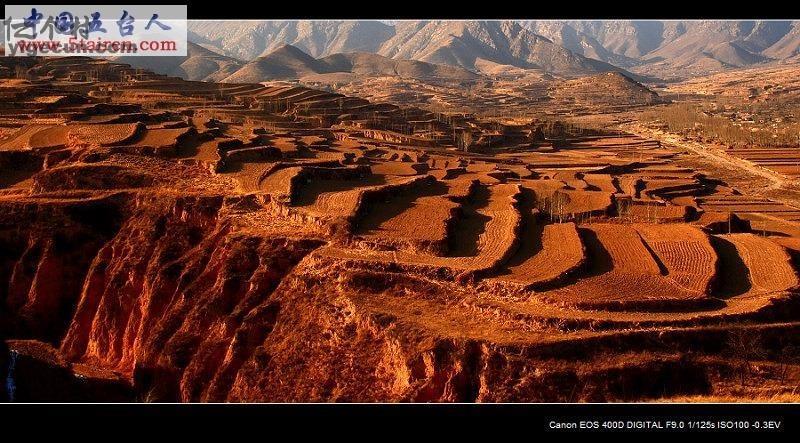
101,135
656,188
544,188
485,237
551,253
419,219
623,273
768,264
461,187
685,251
98,176
765,225
662,171
651,212
601,182
300,183
21,138
334,204
782,160
790,168
205,152
570,178
625,249
279,183
287,145
519,171
399,168
318,177
448,173
573,204
162,140
630,185
481,167
501,231
312,140
348,198
248,175
253,154
738,204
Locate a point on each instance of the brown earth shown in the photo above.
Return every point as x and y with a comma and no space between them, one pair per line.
172,240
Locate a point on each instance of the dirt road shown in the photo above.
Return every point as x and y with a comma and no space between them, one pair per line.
738,173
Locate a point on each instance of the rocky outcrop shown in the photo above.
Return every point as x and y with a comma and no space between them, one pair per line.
171,301
163,300
334,347
45,251
159,285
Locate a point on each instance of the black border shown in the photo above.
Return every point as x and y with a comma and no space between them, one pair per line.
414,420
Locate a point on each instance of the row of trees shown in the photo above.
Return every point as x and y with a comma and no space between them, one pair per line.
688,118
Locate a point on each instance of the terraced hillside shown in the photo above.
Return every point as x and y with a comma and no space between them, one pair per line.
162,239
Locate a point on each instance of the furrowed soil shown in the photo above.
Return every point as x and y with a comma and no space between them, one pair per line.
171,240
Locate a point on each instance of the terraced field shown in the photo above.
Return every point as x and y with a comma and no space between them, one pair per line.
624,271
769,267
419,220
782,160
274,242
551,254
685,253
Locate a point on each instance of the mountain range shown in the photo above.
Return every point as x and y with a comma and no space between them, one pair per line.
465,44
676,48
288,62
199,64
566,47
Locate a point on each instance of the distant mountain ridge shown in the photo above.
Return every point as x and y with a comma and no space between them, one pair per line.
681,47
563,47
463,44
249,39
288,62
199,63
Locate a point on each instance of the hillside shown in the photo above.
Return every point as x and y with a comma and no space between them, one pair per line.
289,62
676,48
666,48
198,64
607,89
286,62
583,43
462,43
452,43
250,39
373,64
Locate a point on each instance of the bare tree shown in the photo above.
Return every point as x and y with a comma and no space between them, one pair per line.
745,347
464,139
21,72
